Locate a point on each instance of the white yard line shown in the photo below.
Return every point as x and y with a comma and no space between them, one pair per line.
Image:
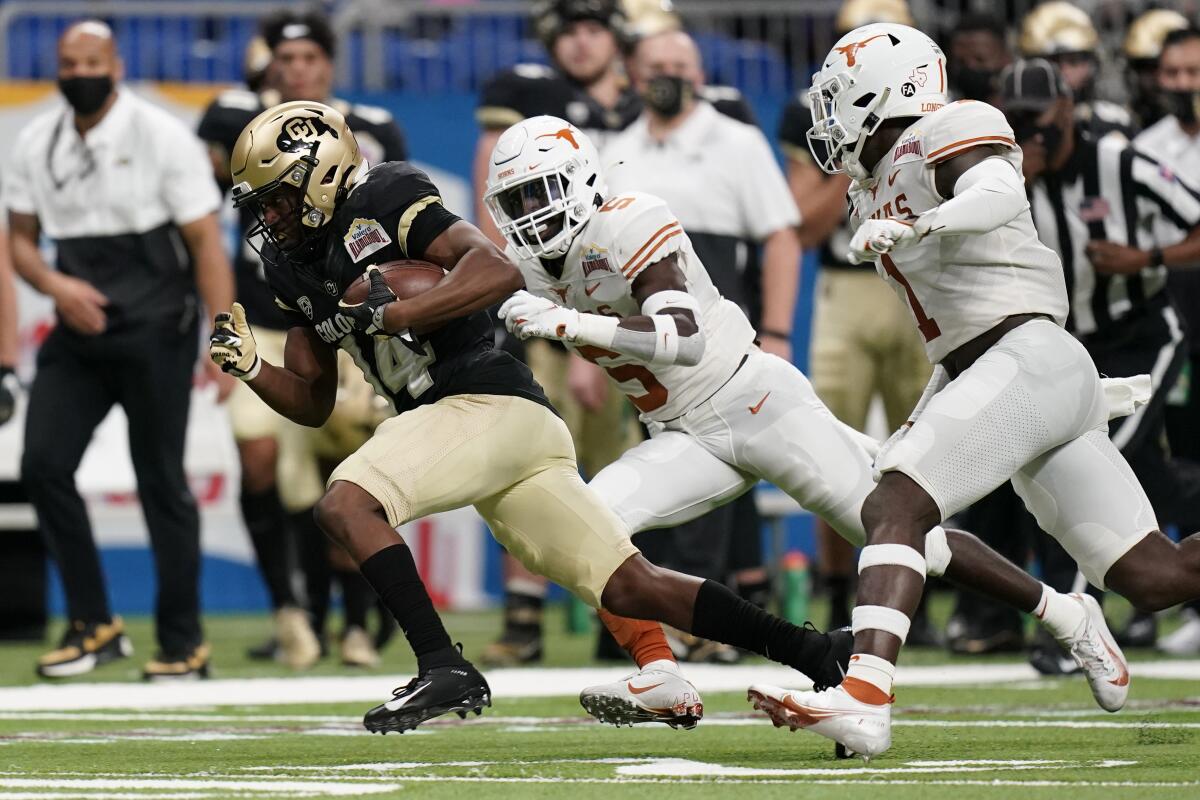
505,683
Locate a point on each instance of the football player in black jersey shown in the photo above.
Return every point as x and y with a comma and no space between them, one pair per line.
586,86
291,60
473,428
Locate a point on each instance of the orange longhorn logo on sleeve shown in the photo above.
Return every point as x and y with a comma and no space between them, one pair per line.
565,134
850,51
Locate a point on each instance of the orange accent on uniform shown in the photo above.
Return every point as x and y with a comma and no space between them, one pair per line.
649,242
642,639
993,138
865,692
633,269
851,50
941,77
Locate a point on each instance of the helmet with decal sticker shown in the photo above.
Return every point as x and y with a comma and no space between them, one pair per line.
544,183
875,72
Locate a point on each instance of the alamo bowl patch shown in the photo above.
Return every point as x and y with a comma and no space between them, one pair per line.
365,237
595,258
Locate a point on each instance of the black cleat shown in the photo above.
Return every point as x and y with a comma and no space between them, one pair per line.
459,688
837,659
1049,657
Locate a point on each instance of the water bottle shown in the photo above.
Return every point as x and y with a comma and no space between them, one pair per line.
795,587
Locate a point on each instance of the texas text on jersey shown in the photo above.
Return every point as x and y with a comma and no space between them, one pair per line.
394,212
627,234
379,138
957,287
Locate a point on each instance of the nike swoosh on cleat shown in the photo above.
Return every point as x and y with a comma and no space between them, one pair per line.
643,689
754,409
1123,678
403,702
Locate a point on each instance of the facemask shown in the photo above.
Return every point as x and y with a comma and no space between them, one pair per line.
1184,105
667,94
86,94
973,84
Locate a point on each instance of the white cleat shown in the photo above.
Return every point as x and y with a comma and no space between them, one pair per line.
651,695
864,729
1098,655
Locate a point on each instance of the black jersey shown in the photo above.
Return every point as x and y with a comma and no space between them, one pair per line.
379,139
394,212
530,90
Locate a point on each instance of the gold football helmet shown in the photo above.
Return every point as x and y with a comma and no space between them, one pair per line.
1056,28
856,13
292,164
1144,40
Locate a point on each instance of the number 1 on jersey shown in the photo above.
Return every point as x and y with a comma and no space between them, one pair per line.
927,326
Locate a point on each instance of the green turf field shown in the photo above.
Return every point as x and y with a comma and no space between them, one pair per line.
1025,738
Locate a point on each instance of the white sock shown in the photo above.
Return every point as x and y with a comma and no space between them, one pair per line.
1060,614
666,665
874,670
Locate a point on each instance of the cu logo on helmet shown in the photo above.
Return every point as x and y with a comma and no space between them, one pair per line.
908,90
298,132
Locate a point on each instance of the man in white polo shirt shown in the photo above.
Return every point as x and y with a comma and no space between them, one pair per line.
721,180
126,192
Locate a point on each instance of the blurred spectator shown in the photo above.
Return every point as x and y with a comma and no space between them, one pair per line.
126,192
1064,34
1119,221
1175,140
1143,43
721,180
281,480
863,342
978,50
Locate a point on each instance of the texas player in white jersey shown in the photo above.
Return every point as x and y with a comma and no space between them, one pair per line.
616,279
939,203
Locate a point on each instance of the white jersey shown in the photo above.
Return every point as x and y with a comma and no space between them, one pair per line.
957,287
625,236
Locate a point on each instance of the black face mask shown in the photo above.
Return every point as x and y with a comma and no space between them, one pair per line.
973,84
667,94
86,95
1185,106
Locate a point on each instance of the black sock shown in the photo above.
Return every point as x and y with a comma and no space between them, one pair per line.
722,616
313,545
393,575
267,525
357,598
839,600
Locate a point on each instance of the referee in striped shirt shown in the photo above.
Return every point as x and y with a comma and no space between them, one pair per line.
1119,220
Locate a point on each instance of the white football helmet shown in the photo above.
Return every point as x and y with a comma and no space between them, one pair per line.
875,72
544,183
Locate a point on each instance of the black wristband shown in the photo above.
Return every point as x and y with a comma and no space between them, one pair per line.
1156,257
763,332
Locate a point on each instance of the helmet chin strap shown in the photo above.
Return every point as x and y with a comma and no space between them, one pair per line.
854,167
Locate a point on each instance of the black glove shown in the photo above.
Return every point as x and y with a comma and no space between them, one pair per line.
367,316
10,387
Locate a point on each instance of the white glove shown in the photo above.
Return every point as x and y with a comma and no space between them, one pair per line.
527,315
875,237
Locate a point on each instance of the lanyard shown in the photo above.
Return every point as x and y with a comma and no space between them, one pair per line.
89,160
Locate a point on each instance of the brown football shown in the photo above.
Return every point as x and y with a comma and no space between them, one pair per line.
407,278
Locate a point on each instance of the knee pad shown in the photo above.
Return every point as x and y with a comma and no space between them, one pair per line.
937,552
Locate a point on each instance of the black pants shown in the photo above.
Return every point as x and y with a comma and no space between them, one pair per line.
148,371
1153,344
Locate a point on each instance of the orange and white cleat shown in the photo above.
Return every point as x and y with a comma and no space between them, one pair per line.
1096,651
650,695
864,729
